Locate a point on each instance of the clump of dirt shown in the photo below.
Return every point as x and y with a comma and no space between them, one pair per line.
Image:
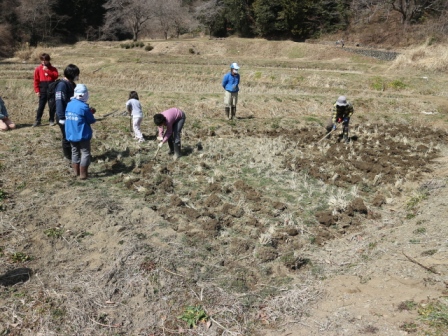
266,253
379,200
325,217
356,206
212,201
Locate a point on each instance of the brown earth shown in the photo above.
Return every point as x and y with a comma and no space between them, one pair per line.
224,223
266,227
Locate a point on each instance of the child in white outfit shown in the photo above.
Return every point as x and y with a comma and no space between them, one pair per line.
133,107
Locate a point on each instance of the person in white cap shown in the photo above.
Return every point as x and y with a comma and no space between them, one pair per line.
78,118
342,112
230,83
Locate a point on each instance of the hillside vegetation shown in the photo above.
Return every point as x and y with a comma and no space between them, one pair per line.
261,228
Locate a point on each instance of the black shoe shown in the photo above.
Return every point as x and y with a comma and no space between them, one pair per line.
177,151
36,123
171,145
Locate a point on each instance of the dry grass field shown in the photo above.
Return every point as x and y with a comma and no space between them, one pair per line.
260,228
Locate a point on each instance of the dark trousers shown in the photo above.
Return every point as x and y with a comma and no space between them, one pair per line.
43,99
66,146
345,126
177,129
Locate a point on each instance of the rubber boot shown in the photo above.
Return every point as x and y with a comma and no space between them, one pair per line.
171,145
83,172
75,167
227,111
177,153
233,112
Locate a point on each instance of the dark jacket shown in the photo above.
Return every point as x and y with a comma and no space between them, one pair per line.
64,91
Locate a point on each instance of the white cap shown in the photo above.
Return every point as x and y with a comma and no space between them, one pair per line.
81,92
80,89
234,66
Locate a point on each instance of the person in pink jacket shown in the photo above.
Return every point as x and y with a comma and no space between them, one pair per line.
170,124
44,74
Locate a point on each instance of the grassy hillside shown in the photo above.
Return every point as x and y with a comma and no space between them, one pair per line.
258,222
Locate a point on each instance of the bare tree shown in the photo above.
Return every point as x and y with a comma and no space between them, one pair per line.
412,9
182,20
130,15
39,20
167,13
366,10
208,12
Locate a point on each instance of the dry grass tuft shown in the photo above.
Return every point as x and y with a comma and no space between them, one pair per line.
426,57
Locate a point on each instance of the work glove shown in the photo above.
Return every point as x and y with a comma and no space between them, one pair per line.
62,122
334,127
159,138
345,120
160,144
93,110
339,120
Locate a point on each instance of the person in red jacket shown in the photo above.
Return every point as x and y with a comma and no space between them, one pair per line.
44,74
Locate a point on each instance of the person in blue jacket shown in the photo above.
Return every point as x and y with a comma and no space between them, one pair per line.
78,118
230,83
63,92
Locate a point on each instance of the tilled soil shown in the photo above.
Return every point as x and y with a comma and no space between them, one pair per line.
239,230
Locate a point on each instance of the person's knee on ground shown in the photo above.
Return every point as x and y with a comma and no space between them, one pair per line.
9,123
3,126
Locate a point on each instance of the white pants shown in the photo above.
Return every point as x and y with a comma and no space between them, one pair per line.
230,99
136,122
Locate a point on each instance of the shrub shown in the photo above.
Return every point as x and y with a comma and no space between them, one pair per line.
149,47
377,83
397,84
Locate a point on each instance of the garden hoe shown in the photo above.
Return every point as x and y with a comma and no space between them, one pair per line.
327,134
99,118
157,152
